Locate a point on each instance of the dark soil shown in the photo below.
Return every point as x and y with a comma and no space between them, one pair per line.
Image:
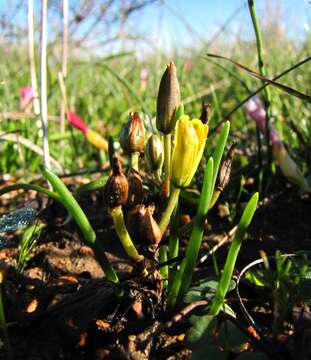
60,307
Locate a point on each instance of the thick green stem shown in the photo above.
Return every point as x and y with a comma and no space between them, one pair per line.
167,163
163,269
118,220
263,72
166,216
135,161
34,187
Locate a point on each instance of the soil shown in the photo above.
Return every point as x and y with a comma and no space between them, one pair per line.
61,307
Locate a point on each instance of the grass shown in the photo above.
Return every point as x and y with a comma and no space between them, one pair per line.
103,97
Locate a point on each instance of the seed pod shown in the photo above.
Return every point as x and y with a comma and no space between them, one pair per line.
133,219
225,170
154,153
116,188
149,229
205,112
132,136
168,100
136,191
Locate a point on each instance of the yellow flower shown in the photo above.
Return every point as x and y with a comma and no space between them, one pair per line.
189,143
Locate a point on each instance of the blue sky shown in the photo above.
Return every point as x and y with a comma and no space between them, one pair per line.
189,22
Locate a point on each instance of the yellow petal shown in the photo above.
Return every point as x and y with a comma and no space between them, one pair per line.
201,132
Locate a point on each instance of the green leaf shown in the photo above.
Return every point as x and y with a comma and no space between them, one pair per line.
202,325
205,290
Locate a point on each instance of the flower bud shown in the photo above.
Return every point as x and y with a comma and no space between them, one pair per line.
132,136
96,139
189,143
154,153
136,191
288,167
168,100
76,121
149,229
116,188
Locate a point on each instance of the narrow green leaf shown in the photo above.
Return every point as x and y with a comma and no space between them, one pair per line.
222,289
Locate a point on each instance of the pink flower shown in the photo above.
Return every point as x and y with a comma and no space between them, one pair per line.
26,97
188,64
77,122
255,109
144,75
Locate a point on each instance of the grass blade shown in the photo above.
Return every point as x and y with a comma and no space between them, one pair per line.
224,282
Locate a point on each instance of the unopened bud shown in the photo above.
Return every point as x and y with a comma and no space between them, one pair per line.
168,100
288,167
154,153
149,229
117,188
132,136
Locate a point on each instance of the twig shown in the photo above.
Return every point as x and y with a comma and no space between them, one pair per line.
31,54
46,155
64,63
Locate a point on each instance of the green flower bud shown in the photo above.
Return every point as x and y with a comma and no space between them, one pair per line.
132,136
168,100
154,153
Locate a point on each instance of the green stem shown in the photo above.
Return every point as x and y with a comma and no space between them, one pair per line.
166,216
164,269
173,246
183,276
167,163
34,187
92,185
135,161
196,237
263,72
118,220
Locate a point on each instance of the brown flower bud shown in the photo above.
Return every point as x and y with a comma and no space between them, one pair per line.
149,229
205,112
136,191
168,100
116,188
132,136
154,153
225,170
